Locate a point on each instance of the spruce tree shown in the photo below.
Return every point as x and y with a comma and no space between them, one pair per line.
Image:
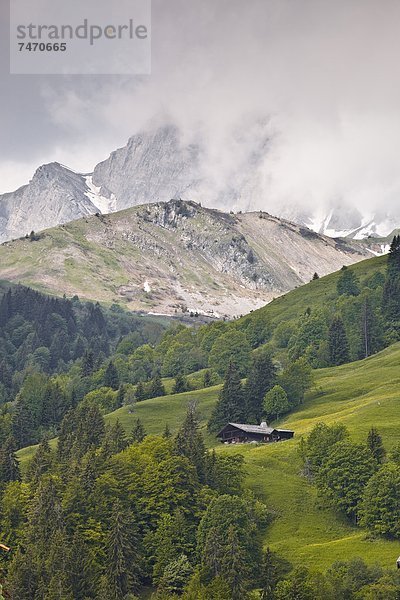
348,283
173,537
111,378
80,568
391,291
56,567
261,378
122,560
120,396
140,392
230,405
22,580
40,463
23,424
90,429
268,577
235,567
180,385
115,439
207,378
189,441
67,434
9,465
156,387
338,344
45,516
272,570
138,432
87,367
375,444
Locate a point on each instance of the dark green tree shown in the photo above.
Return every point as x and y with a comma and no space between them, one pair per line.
235,568
380,511
45,517
41,462
375,444
115,439
24,424
123,558
9,464
230,405
226,546
173,538
22,576
119,401
90,428
344,474
81,568
261,378
207,378
138,432
140,392
273,569
111,378
391,291
180,385
348,283
167,432
87,363
338,344
189,441
156,387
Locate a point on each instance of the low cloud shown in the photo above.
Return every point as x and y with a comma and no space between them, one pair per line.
317,79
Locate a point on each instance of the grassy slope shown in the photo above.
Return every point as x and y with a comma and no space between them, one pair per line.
316,293
358,395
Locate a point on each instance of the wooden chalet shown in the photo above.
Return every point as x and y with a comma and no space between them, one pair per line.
239,433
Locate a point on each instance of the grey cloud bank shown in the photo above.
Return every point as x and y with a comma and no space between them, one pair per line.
316,79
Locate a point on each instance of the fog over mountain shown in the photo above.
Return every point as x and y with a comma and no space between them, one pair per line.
300,95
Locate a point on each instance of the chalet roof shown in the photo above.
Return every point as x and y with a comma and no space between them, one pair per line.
253,428
262,429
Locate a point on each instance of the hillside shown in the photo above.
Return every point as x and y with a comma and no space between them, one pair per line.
176,257
358,395
314,294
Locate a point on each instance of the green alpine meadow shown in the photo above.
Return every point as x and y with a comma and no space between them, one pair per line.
149,457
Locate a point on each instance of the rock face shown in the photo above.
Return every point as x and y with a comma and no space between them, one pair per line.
54,195
174,257
158,165
151,167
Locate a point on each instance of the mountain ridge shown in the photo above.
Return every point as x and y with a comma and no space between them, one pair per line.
157,165
176,257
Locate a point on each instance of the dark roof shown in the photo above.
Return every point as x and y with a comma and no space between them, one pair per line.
263,429
253,428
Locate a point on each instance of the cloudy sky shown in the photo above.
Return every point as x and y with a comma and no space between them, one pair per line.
324,75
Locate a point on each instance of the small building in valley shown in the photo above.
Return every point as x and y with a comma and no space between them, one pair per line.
239,433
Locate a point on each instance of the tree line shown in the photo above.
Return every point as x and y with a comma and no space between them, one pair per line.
360,480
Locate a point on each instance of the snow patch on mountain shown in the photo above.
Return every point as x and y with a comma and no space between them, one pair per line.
103,204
